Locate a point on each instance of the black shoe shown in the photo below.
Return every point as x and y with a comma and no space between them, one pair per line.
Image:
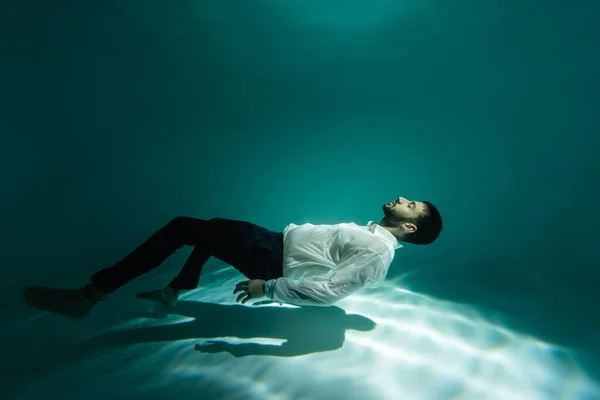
71,303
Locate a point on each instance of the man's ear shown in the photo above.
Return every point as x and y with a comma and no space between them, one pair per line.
409,227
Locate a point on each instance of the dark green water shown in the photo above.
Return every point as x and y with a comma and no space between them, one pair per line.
116,116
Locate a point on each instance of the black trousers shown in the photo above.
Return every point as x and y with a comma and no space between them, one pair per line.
253,250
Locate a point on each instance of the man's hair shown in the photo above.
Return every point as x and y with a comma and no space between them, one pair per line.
429,226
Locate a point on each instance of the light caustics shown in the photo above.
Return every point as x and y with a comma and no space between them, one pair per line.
421,347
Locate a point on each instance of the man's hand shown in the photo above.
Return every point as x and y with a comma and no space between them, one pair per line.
252,289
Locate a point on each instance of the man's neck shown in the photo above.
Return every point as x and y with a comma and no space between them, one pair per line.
392,230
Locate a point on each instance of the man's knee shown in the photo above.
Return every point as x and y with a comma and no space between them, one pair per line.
218,227
180,221
184,223
187,230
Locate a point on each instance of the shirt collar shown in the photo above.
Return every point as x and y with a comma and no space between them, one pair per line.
384,234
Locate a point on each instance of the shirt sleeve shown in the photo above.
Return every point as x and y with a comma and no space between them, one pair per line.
362,269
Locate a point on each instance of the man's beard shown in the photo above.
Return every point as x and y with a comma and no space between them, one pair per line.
389,220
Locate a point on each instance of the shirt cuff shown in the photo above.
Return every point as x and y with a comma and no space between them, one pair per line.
269,287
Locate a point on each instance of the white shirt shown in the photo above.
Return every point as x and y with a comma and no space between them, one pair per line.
323,264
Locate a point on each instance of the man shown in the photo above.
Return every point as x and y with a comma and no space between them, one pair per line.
307,264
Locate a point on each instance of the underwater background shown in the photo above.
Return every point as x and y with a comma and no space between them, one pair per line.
116,116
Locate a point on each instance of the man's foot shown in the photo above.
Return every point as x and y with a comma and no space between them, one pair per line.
72,303
167,297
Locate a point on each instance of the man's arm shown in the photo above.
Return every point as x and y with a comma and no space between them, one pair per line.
349,276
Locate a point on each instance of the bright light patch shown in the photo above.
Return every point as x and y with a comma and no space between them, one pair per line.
420,348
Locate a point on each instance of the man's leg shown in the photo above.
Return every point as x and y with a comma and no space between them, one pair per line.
153,252
237,243
231,241
228,240
77,303
187,279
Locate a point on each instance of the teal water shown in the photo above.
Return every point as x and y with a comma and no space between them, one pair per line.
118,115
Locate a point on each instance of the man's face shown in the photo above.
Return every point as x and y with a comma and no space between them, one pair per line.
402,209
